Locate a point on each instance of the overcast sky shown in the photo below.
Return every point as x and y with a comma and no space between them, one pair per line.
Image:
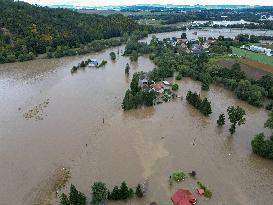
130,2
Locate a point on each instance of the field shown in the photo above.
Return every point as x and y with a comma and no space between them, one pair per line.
261,58
252,69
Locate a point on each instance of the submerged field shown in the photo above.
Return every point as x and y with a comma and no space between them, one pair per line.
137,146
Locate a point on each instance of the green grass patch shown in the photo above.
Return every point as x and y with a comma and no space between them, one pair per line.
216,58
261,58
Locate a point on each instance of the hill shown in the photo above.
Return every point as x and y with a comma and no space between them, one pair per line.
27,30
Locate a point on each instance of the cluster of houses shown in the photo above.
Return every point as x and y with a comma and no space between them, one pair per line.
193,45
266,18
258,49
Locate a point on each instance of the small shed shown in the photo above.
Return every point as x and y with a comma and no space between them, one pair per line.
183,197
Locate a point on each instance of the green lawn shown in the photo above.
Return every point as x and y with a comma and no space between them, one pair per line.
261,58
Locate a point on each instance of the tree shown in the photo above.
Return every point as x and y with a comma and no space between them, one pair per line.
269,121
236,117
139,191
127,69
205,85
148,97
175,87
134,56
124,191
135,83
64,200
113,56
262,147
221,120
99,192
115,194
76,197
205,107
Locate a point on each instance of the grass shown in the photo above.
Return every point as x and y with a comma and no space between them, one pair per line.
216,58
261,58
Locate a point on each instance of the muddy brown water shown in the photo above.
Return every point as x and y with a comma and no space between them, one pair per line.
144,145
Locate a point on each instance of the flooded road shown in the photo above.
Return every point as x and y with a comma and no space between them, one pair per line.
64,128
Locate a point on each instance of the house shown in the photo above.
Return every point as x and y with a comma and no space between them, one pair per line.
93,63
197,49
158,87
183,197
180,41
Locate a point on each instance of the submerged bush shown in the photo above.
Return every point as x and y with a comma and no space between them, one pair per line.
178,176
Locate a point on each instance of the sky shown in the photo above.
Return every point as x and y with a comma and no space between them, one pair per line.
133,2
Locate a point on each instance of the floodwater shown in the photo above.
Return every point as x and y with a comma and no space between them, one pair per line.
215,33
50,119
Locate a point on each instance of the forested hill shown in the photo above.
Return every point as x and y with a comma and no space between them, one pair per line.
26,28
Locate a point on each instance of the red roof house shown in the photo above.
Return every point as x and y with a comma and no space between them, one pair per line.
158,87
183,197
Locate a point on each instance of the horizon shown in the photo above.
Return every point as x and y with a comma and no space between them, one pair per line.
93,3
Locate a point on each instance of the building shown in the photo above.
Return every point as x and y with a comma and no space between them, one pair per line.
180,41
197,49
183,197
158,87
93,63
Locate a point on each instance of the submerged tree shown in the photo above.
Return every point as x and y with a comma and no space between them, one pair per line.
113,56
99,192
115,194
75,197
124,191
221,120
236,117
269,121
127,69
139,191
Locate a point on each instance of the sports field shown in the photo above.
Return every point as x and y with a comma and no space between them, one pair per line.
261,58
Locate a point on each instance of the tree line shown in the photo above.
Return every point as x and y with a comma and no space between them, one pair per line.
204,106
100,194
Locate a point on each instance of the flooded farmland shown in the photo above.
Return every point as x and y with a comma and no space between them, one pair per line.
64,129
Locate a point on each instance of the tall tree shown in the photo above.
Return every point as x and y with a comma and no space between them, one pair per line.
99,192
236,117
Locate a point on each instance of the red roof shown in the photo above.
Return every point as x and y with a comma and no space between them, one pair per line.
183,197
157,86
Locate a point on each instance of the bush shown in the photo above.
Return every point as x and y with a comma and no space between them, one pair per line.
179,176
207,193
221,120
10,59
175,87
262,146
178,77
205,85
113,56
